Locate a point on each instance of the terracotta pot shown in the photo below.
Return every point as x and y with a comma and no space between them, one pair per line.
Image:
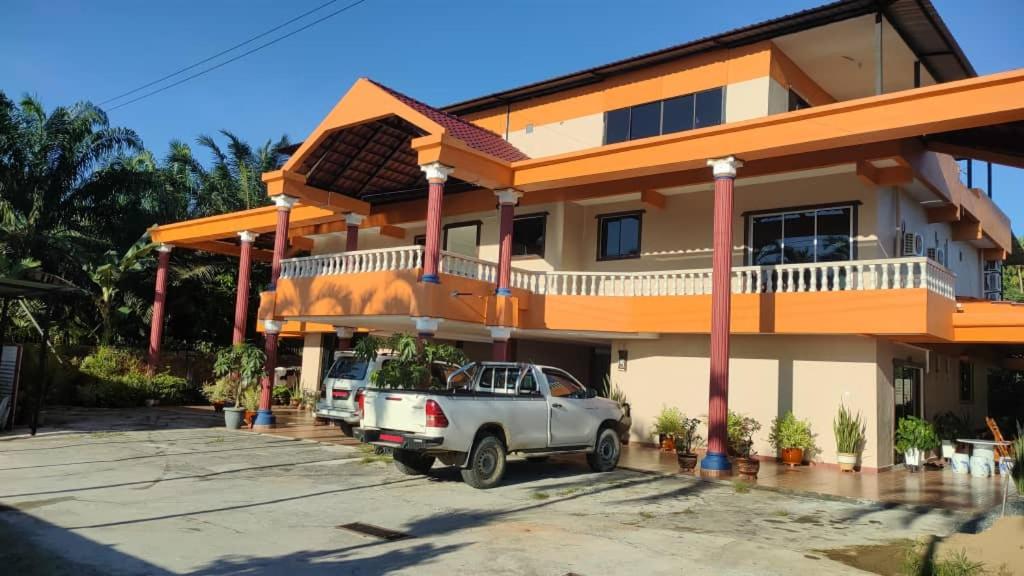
250,417
846,461
747,468
687,461
792,456
668,444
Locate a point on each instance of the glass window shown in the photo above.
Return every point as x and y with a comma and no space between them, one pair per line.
620,237
645,120
529,384
563,386
833,233
419,240
616,126
528,235
812,235
708,108
462,238
798,228
677,114
766,240
796,102
348,368
487,378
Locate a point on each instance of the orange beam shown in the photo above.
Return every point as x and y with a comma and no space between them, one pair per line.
967,231
292,184
653,198
260,220
392,231
947,213
228,249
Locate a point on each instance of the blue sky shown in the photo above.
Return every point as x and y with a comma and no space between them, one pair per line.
438,51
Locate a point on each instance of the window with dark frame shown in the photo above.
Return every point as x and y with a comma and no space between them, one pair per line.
619,236
800,235
462,238
419,240
966,382
528,233
676,114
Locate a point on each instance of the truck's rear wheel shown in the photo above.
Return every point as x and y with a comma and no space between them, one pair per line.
605,456
412,463
346,428
486,463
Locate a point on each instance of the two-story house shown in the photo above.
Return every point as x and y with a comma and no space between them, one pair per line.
794,215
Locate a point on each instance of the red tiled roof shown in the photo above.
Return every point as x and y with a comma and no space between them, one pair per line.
474,136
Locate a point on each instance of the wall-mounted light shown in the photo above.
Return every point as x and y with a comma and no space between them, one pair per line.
623,356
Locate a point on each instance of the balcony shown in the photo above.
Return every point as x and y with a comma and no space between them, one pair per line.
904,296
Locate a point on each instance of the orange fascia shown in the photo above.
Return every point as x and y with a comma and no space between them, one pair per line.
950,106
989,322
259,220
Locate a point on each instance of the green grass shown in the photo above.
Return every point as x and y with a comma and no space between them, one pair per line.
568,491
540,495
369,457
917,563
740,487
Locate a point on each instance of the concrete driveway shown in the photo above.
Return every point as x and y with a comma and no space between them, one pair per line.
157,492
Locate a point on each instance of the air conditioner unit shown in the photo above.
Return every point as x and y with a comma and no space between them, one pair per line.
913,244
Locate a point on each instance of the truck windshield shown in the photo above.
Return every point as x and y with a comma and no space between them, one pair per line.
348,368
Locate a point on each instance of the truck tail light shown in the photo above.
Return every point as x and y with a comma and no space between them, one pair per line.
435,416
361,400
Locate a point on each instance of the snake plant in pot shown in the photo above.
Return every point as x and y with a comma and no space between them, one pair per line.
849,432
914,438
792,437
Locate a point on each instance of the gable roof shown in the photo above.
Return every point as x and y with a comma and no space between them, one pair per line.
917,22
474,136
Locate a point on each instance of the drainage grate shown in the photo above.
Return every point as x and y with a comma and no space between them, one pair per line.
375,531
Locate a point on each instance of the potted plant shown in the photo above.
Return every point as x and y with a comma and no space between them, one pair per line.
239,369
741,430
849,432
686,441
217,393
791,437
914,437
282,395
1017,453
668,423
949,427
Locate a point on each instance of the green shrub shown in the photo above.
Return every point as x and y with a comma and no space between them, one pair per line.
282,393
117,378
913,432
669,421
740,430
790,432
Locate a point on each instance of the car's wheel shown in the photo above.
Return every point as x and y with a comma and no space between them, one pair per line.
346,428
605,456
412,463
537,459
486,463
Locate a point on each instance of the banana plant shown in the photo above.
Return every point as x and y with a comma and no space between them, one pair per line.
107,275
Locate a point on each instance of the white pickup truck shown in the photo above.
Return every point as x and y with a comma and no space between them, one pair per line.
489,410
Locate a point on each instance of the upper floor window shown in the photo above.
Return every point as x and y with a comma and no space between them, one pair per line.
814,234
462,238
528,233
665,116
797,102
619,236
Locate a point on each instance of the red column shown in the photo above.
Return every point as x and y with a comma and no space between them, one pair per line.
242,296
716,461
437,175
352,222
500,336
156,323
265,417
506,217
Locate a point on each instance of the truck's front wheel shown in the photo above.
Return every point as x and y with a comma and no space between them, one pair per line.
412,463
605,456
486,463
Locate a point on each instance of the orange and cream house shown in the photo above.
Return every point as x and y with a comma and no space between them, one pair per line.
793,215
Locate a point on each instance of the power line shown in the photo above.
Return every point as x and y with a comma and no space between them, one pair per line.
219,54
235,58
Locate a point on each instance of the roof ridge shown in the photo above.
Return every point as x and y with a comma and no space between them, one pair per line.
505,150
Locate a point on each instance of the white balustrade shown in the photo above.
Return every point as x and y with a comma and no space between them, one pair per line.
853,275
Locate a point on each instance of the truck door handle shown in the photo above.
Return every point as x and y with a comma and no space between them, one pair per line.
556,405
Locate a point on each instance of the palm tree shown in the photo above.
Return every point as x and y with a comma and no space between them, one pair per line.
233,181
51,176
